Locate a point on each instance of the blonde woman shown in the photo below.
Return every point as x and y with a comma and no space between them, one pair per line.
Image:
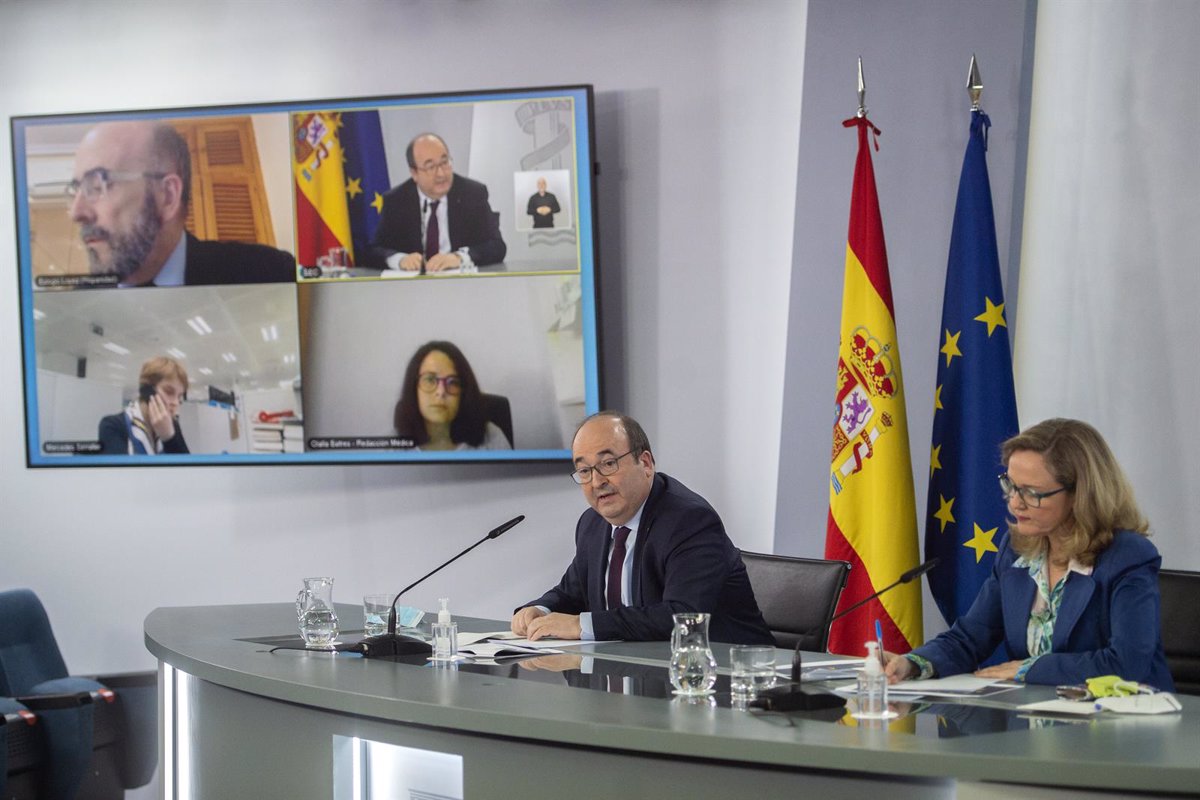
1074,590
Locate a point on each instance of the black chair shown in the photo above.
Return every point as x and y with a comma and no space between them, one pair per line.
1179,591
94,737
797,597
499,413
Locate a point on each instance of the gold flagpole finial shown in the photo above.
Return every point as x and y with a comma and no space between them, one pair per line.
862,92
974,84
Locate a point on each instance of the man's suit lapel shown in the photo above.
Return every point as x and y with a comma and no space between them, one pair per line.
645,530
597,561
454,216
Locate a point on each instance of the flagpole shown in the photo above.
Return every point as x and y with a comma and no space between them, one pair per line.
862,92
974,84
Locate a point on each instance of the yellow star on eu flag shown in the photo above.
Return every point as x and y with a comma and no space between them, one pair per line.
935,460
981,542
377,203
937,399
354,187
993,315
945,512
950,348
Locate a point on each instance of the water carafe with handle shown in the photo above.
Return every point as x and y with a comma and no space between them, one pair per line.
693,668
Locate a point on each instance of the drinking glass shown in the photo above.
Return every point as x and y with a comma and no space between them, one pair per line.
753,668
376,608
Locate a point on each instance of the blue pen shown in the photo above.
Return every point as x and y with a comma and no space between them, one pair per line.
879,638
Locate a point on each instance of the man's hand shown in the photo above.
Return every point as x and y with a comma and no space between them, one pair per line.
524,616
160,419
1001,672
543,210
559,626
899,668
443,261
411,262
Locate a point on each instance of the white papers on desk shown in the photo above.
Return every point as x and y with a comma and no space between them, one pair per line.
942,687
964,685
1160,703
468,638
550,644
393,274
497,650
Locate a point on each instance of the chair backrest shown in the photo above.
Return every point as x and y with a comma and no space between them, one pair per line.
797,596
29,654
500,413
1181,627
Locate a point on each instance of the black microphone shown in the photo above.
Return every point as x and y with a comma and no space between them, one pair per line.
793,698
394,644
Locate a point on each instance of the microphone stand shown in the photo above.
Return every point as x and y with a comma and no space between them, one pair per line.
792,697
398,644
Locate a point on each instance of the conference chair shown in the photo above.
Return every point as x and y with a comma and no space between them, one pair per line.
94,737
499,412
797,596
1181,627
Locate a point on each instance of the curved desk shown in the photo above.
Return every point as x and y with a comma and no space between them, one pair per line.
239,720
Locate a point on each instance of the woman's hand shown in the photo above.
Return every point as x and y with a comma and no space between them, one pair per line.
1001,672
898,668
160,418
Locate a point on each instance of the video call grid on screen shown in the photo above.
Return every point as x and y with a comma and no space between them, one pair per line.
274,273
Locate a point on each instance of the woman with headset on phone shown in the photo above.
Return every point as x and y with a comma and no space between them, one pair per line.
148,425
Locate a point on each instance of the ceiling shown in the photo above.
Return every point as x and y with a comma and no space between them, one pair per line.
149,322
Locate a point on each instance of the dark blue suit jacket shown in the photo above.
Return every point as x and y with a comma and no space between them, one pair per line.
1108,623
210,263
473,224
682,561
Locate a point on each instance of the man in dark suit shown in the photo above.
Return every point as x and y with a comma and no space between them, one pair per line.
648,548
130,190
436,220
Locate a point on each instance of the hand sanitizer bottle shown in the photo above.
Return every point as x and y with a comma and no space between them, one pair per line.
872,686
445,634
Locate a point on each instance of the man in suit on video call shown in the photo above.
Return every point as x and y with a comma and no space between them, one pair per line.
130,193
648,548
436,220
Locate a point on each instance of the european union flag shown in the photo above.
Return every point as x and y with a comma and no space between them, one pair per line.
366,175
975,408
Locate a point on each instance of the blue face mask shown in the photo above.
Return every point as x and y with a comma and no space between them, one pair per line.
409,617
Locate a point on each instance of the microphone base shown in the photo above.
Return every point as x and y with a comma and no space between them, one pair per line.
389,645
794,698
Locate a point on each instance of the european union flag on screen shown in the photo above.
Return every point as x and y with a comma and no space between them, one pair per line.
366,175
975,408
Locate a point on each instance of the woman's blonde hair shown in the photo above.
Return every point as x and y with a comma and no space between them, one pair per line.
1078,457
160,368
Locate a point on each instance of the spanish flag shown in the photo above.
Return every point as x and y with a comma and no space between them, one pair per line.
872,508
322,213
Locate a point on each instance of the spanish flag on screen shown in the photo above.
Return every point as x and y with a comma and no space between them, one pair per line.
872,509
322,211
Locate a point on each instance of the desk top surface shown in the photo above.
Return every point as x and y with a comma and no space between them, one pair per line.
987,742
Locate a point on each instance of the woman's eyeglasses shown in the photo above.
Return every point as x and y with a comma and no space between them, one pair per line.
428,383
1028,496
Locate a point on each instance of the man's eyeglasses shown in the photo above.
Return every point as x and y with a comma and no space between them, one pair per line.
607,466
428,383
1028,496
444,165
96,182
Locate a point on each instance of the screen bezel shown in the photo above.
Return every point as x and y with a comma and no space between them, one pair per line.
584,132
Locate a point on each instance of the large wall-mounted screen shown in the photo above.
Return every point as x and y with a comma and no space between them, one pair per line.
344,281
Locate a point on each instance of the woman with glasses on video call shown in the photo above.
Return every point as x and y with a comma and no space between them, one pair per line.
1073,592
441,406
